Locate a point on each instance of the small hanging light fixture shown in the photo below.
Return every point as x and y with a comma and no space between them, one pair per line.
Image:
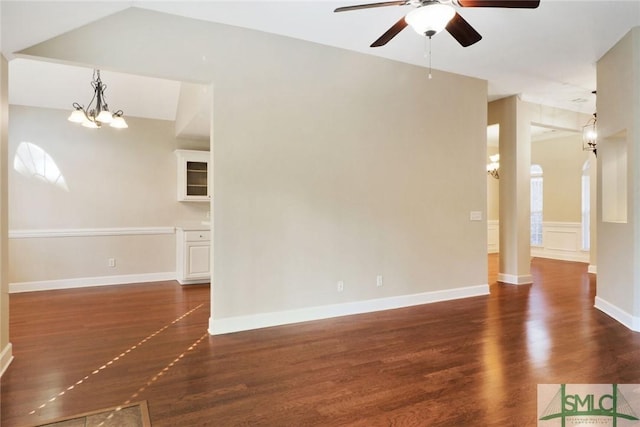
494,167
590,135
95,115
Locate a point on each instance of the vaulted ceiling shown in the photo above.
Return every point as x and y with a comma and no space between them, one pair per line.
546,55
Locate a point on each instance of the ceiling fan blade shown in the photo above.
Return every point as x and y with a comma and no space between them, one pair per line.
462,31
391,33
372,5
515,4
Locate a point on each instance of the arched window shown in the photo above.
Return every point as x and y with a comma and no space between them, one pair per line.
586,206
32,161
536,205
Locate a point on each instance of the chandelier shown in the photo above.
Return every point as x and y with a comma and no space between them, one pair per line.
590,135
97,112
494,167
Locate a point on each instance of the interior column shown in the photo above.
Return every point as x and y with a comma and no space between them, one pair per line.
514,119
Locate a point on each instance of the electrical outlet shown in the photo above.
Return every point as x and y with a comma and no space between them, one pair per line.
379,280
112,262
340,286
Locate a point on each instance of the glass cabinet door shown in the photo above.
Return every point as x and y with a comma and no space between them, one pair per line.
196,178
193,176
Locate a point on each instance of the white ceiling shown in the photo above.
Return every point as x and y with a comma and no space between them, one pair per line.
546,55
538,133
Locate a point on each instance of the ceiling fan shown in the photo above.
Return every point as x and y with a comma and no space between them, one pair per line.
432,16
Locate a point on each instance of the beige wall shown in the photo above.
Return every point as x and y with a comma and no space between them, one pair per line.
5,346
114,179
346,177
562,160
618,241
328,165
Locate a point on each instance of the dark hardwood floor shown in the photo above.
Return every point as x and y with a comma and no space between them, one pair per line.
471,362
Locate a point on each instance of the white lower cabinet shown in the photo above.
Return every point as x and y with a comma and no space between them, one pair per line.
193,262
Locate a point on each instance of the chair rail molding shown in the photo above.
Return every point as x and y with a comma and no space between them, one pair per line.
89,232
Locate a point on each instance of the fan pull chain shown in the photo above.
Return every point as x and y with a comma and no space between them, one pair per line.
428,52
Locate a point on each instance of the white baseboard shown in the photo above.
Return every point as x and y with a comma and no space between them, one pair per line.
593,269
194,281
6,357
561,255
264,320
513,279
615,312
83,282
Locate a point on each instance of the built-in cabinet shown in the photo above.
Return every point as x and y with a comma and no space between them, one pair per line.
193,260
193,242
193,176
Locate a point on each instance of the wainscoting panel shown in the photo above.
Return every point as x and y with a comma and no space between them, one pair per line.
71,258
560,240
493,236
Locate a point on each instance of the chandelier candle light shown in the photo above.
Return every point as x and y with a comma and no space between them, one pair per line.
590,135
95,115
494,166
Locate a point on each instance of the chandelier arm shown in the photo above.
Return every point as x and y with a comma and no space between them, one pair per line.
99,95
103,98
92,113
88,110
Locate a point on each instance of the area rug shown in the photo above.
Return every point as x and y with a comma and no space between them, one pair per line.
132,415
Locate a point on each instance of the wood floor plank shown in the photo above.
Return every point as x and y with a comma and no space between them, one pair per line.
470,362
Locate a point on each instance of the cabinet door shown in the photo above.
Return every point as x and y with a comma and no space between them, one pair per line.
197,260
196,179
193,176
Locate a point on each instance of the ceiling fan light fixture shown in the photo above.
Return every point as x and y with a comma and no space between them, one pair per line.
430,19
